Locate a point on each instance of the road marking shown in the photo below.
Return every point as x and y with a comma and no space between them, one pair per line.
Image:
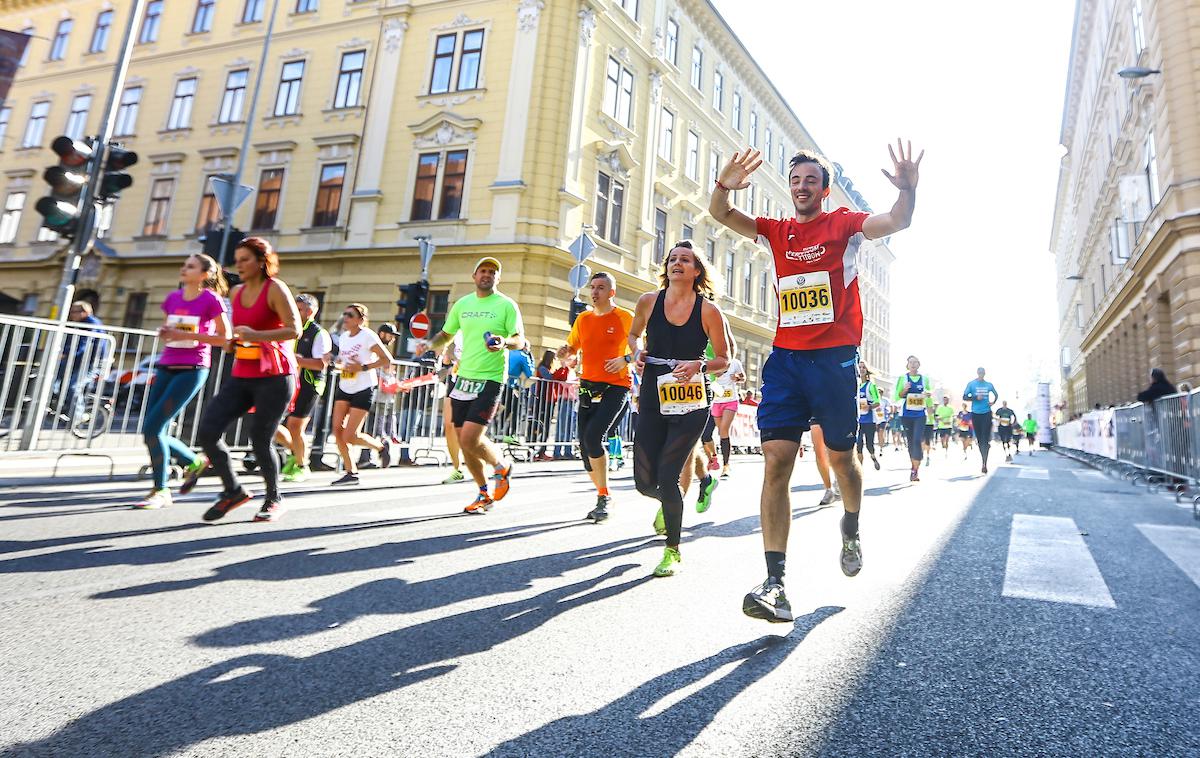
1180,543
1033,473
1048,560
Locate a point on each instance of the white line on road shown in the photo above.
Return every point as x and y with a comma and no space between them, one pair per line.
1048,560
1180,543
1033,473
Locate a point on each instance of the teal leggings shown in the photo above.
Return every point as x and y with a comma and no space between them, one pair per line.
170,393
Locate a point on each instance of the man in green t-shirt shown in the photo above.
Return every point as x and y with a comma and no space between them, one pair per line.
944,420
491,325
1031,428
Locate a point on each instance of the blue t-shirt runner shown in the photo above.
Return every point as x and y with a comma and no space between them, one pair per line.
982,396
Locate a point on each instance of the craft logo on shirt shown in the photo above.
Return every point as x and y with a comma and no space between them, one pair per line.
807,255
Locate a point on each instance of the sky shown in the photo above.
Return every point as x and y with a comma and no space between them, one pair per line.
980,87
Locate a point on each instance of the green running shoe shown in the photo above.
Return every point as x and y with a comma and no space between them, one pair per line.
297,474
707,485
457,476
289,463
670,565
660,523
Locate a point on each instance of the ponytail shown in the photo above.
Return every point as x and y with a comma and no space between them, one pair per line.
215,280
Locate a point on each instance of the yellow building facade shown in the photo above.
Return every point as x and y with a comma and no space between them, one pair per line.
500,127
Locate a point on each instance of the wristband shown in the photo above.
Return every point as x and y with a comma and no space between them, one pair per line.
722,186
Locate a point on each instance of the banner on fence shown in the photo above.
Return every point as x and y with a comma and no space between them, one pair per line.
1096,434
744,432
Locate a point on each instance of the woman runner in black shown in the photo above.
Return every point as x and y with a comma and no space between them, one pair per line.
678,322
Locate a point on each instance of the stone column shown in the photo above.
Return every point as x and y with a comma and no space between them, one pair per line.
509,183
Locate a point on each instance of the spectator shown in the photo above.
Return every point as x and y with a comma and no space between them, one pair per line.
545,402
386,428
566,393
1159,387
520,372
83,358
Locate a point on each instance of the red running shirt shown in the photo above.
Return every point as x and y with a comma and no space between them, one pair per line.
816,278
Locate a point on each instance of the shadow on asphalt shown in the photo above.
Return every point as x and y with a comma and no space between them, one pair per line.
255,693
620,728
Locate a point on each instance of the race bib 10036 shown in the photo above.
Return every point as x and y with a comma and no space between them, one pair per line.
676,398
805,299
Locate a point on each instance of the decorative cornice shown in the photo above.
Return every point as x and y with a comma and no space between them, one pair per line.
459,22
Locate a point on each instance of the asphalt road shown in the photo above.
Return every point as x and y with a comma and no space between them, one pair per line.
1039,610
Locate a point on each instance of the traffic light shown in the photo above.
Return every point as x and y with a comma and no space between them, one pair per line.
402,314
211,240
63,207
114,179
413,297
577,307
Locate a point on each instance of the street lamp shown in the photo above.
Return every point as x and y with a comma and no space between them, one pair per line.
1137,72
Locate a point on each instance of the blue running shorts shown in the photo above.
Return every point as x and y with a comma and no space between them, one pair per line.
805,387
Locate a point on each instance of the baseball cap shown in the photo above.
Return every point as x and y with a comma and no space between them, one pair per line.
386,329
487,259
308,300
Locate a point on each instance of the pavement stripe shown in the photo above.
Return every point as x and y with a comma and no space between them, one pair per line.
1048,560
1179,543
1033,473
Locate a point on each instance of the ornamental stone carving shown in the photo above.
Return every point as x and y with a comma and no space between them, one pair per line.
587,26
393,33
655,86
528,12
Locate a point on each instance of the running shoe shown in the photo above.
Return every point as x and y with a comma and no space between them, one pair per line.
191,475
984,469
502,477
671,563
226,502
508,439
600,512
456,476
725,472
768,602
713,464
827,498
155,500
1008,459
707,485
385,455
875,461
297,474
271,511
912,476
851,556
347,478
289,464
660,523
482,505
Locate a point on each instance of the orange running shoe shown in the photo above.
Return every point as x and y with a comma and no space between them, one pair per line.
502,482
482,505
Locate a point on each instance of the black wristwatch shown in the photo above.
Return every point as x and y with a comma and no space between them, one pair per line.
703,366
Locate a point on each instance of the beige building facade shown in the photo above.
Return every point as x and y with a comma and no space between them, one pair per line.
1126,234
501,127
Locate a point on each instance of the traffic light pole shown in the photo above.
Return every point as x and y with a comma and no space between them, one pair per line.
82,241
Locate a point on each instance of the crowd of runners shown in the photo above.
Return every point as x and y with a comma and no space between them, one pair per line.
670,359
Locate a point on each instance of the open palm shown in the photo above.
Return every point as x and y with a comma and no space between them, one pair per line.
736,174
907,171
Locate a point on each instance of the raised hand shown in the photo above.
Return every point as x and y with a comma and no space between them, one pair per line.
907,170
736,174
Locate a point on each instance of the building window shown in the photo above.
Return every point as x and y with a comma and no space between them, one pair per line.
1139,28
753,128
45,235
729,266
349,81
252,11
718,90
127,112
747,281
689,232
697,68
610,201
159,208
711,248
672,50
151,22
266,205
329,195
1150,168
28,31
135,310
58,48
202,21
763,278
468,61
736,111
13,205
180,116
1119,239
666,138
767,146
750,204
234,97
100,33
618,93
210,210
691,166
434,173
630,7
77,118
443,63
781,153
439,307
306,6
660,235
287,101
5,117
36,128
714,165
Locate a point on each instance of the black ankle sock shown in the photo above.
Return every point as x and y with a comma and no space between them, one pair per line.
726,448
850,524
775,561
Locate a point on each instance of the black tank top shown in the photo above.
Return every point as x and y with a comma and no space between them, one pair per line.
665,340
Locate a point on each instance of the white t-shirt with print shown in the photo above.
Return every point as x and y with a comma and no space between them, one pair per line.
724,388
357,349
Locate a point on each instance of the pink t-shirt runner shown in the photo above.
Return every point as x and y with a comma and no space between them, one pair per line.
198,315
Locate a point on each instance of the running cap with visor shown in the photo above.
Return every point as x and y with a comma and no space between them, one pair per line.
495,262
308,300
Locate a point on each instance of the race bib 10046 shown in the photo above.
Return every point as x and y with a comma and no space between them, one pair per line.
805,299
676,398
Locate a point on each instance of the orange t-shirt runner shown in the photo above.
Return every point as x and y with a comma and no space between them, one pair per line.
601,338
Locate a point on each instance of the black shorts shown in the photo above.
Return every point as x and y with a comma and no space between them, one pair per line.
1006,433
306,401
360,400
707,434
477,410
964,434
1030,436
944,434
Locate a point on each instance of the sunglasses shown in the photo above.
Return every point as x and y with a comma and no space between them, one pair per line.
351,314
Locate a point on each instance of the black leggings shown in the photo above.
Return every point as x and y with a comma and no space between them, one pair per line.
914,432
866,433
664,445
597,418
983,433
269,397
